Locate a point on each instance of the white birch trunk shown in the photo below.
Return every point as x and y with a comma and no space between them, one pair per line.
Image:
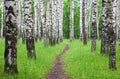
28,23
118,21
42,20
2,4
54,26
94,25
36,16
71,20
19,19
47,26
11,27
80,25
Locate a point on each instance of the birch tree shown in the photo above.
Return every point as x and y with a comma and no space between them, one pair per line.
83,22
48,24
71,20
22,22
10,54
80,25
42,21
36,19
19,18
28,24
94,25
54,21
86,18
61,20
118,19
1,30
111,35
104,38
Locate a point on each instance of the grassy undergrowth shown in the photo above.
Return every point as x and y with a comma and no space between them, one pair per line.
81,63
31,69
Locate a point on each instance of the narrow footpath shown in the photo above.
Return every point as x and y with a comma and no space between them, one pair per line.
57,71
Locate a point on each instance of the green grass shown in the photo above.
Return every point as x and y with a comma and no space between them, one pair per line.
31,69
81,63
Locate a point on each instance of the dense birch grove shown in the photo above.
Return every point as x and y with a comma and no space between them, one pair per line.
52,21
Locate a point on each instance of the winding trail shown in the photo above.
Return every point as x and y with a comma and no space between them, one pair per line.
57,71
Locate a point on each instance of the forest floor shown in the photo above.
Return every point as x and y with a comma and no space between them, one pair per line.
57,71
76,63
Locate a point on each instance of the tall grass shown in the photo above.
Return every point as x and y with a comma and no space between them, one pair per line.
31,69
81,63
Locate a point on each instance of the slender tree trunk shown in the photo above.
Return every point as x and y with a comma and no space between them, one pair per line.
61,20
111,35
47,26
71,20
104,38
54,26
94,25
42,19
1,30
86,18
10,55
19,19
50,24
89,18
28,24
81,32
38,22
36,17
83,23
97,35
118,19
56,20
22,24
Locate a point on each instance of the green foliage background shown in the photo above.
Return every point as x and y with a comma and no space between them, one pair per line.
66,16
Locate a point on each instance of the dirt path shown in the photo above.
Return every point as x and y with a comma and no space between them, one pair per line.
57,71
